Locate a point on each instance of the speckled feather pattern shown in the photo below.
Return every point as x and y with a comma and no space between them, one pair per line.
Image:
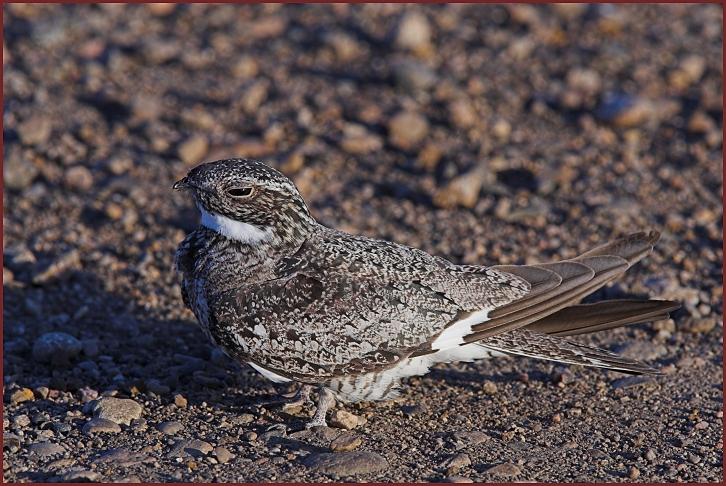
339,305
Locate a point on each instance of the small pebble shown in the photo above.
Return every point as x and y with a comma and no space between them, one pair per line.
170,428
180,401
21,421
454,463
78,178
11,442
250,436
223,455
193,150
345,442
414,32
489,387
22,395
406,130
344,420
35,130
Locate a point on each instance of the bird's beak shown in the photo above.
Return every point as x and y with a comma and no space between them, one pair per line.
181,184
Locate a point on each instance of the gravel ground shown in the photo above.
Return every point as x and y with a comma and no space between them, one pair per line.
485,134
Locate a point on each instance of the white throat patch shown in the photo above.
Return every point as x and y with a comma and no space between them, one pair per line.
236,230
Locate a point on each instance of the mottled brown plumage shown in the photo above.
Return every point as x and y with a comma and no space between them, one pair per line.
353,315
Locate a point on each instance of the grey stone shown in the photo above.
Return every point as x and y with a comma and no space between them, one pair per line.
468,438
454,463
119,410
122,457
642,350
46,449
78,178
345,442
35,130
56,348
190,448
11,442
88,394
223,454
170,428
414,31
457,479
101,425
80,475
632,381
18,171
346,463
412,75
21,421
504,470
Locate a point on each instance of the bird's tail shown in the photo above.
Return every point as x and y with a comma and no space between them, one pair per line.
533,344
552,309
585,318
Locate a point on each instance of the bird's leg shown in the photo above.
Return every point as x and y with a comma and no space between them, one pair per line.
300,398
325,401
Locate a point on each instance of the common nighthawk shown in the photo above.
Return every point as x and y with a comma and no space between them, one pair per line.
354,316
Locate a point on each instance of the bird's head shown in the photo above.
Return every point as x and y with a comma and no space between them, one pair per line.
247,201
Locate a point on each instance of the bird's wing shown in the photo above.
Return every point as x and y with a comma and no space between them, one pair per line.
347,305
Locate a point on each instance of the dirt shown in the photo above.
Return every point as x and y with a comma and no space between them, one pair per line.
483,134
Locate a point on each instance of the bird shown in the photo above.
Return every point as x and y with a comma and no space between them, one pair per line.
352,317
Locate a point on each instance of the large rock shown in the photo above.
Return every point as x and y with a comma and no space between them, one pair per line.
118,410
56,348
347,463
46,449
506,470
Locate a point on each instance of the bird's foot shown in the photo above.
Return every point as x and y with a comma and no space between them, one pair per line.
325,401
316,422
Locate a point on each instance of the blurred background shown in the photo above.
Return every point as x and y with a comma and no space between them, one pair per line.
485,134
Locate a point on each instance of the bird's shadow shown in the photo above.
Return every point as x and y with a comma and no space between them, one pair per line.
124,347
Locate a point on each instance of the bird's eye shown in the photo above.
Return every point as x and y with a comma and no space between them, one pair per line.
240,191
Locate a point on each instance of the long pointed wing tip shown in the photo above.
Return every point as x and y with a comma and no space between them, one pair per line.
653,236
